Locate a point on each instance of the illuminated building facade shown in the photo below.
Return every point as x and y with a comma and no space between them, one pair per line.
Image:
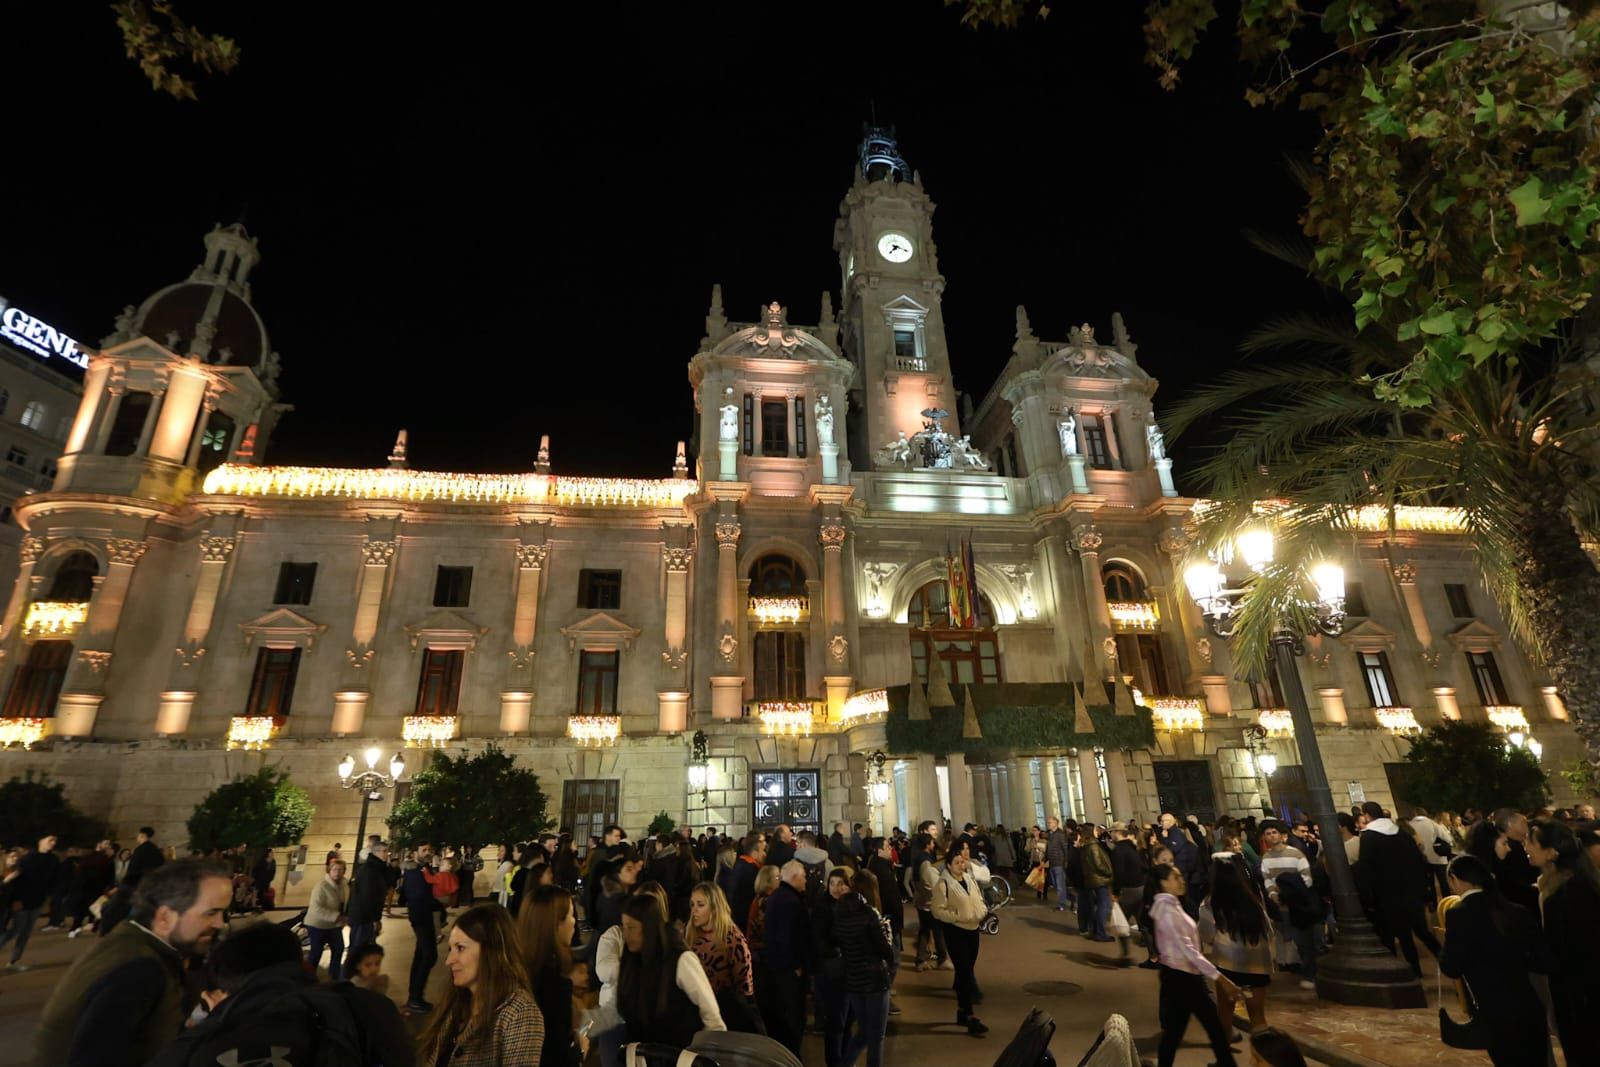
185,611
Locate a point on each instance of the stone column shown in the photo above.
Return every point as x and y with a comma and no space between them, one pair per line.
960,791
115,389
1444,698
1019,786
1094,801
837,676
180,406
11,645
673,695
151,417
184,679
1333,709
83,689
1117,771
727,681
516,698
1054,803
350,703
1405,576
927,800
1174,542
192,458
1087,540
95,384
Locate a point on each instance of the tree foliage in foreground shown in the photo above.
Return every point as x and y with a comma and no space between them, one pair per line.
261,810
471,800
164,44
1460,765
1454,194
31,808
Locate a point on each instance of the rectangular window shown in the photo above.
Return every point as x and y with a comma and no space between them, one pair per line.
1355,600
38,682
749,424
780,658
1486,678
295,581
905,343
17,456
1460,606
452,587
128,426
1381,689
588,806
774,428
1140,655
597,683
965,661
439,688
272,687
1094,443
600,590
800,426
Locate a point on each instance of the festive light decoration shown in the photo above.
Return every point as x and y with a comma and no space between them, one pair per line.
1398,720
1177,713
1374,518
1135,615
594,730
24,732
790,718
251,731
865,703
55,618
431,730
770,610
1507,716
388,483
1278,722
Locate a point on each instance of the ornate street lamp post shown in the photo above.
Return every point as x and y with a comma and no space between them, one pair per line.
1262,758
371,782
1358,970
878,786
700,767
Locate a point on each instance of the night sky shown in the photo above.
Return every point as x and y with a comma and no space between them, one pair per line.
505,220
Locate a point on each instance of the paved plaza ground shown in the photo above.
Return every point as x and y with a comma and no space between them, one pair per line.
1036,960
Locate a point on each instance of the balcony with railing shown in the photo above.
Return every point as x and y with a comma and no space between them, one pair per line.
594,731
253,731
780,610
429,731
1177,714
1134,615
911,364
786,718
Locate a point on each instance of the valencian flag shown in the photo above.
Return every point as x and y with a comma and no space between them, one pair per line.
962,586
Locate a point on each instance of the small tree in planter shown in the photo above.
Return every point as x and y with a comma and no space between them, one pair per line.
261,810
662,824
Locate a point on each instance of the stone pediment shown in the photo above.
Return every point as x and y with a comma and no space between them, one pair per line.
1368,636
902,305
445,628
1476,636
282,627
600,631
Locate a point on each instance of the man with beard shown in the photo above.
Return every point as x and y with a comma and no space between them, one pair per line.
124,1001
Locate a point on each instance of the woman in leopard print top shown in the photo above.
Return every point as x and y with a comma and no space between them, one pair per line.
714,938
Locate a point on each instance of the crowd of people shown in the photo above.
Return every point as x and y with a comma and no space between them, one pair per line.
575,955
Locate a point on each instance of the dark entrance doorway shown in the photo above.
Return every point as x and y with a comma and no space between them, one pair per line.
1184,788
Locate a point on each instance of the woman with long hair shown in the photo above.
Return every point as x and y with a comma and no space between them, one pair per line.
866,942
565,863
662,992
1237,936
487,1017
958,905
724,955
545,930
1184,971
1572,930
767,879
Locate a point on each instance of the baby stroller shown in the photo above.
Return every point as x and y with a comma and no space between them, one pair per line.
996,895
713,1048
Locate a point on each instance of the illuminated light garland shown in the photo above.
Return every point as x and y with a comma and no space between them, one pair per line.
865,703
787,718
1177,713
1398,720
1508,716
251,731
770,610
1372,518
1276,721
591,730
24,732
1135,615
387,483
55,618
430,730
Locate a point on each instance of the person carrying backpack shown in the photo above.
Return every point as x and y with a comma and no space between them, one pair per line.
264,1008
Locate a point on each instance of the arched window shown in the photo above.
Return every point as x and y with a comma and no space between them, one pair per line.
74,579
1122,582
777,575
968,655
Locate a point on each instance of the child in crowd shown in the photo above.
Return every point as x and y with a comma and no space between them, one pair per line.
365,965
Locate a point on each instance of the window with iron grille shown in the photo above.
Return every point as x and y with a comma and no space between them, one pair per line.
800,426
597,682
749,424
439,688
272,686
905,343
1140,655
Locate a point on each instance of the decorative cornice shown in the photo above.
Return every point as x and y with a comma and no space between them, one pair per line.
676,559
1405,573
125,550
532,557
1087,539
727,533
214,549
377,553
831,534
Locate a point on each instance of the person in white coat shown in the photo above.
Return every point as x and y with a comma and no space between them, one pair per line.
325,919
958,904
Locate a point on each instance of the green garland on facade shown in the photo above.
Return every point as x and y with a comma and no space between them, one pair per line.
1015,717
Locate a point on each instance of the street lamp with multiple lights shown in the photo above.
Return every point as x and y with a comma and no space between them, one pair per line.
371,782
1358,970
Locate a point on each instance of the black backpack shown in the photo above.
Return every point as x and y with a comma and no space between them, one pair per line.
315,1026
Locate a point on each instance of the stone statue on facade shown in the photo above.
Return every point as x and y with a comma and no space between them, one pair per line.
1156,442
962,454
824,412
1069,434
730,416
897,451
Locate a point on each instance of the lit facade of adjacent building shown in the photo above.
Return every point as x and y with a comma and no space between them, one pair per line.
185,611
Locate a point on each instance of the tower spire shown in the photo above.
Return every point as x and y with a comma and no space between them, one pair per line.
880,155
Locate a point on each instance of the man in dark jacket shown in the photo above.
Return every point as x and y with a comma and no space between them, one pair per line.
35,880
1055,858
784,958
781,848
1128,876
92,878
1393,879
881,864
264,1008
868,960
368,890
419,912
838,847
739,881
146,857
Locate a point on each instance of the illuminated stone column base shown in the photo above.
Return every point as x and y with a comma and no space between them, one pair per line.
75,714
728,453
516,712
1080,479
349,711
1333,710
1444,698
830,462
1218,700
672,712
1553,703
727,696
838,687
1164,472
172,718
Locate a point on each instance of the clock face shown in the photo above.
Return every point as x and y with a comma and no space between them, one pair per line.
895,247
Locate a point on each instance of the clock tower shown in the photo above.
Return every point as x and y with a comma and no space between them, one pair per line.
892,324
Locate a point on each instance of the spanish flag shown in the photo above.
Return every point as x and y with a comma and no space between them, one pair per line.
962,589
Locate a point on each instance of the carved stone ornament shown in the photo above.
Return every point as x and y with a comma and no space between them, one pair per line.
675,658
838,648
1088,539
96,661
1083,335
1405,573
1430,656
877,577
775,334
189,655
676,559
728,646
727,533
125,550
1020,575
1174,541
831,534
1202,648
360,657
1092,362
521,658
1109,647
216,549
32,548
532,557
377,553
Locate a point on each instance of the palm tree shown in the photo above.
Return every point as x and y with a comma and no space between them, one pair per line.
1515,448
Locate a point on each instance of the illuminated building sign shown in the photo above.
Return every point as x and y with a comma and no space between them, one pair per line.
43,340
